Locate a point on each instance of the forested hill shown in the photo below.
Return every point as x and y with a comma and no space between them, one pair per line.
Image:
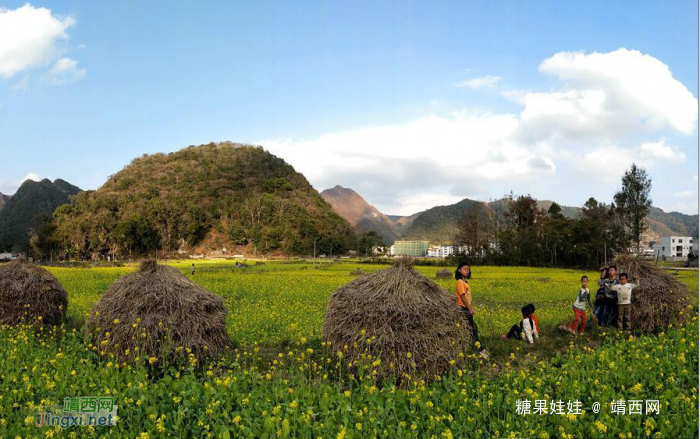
222,194
29,211
439,224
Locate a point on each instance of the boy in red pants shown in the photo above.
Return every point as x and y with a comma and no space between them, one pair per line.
583,298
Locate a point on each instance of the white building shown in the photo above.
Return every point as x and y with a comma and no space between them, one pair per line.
445,251
673,247
8,256
381,250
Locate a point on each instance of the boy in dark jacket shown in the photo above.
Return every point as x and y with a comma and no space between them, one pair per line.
599,304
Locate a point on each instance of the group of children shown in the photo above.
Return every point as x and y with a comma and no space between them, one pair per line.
613,302
613,306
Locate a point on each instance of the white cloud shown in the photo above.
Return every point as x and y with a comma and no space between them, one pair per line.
481,82
457,154
64,71
30,37
652,151
689,203
690,208
647,155
11,186
30,176
684,194
593,163
605,107
607,96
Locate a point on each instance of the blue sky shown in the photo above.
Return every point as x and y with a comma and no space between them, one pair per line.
410,104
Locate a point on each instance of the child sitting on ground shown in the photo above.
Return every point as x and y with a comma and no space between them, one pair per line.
531,311
527,330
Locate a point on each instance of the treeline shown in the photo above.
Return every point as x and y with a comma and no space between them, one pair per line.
527,235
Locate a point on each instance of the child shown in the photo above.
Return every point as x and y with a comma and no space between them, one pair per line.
599,306
610,313
464,300
582,299
531,311
624,301
527,330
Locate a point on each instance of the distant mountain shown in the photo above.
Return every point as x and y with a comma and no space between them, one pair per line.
402,223
29,209
203,198
439,224
672,223
359,213
3,199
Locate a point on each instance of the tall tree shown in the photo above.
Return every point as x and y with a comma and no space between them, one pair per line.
633,202
475,231
556,231
521,241
592,230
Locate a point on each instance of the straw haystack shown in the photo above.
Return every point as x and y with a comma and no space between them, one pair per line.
659,300
30,294
413,326
444,274
158,313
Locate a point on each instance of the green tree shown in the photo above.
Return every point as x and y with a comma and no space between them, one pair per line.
368,241
476,231
592,230
556,234
526,222
137,234
633,202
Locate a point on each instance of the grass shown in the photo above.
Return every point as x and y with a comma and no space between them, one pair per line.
281,382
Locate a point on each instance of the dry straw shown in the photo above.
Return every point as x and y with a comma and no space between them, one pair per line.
400,317
30,294
444,274
660,299
159,314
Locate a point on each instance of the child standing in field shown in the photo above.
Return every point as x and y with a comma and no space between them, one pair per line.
599,304
610,312
583,299
464,301
624,301
528,329
192,269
